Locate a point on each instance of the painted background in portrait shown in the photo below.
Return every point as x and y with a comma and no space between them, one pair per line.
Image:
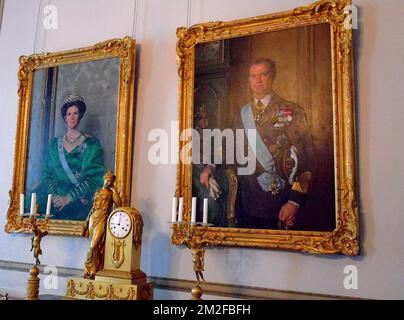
303,59
97,82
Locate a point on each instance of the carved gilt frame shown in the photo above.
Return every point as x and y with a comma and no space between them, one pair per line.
345,237
124,49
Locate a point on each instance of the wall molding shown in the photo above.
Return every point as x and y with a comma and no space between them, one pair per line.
209,288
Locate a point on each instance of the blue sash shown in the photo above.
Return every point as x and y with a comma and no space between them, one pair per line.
65,166
262,153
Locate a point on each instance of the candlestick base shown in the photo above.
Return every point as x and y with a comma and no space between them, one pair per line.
33,284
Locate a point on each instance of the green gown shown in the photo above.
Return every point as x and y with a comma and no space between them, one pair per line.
86,162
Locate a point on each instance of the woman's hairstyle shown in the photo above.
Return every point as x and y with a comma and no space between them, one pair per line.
74,100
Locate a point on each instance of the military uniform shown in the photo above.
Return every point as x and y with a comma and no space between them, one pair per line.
284,147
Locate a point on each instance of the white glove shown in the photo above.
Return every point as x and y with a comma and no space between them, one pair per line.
214,189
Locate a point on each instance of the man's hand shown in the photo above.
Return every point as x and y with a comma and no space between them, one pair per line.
288,213
205,175
61,201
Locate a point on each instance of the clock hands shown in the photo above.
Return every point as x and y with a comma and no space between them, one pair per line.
119,224
120,217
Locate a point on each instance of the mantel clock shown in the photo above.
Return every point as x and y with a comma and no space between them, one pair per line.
121,277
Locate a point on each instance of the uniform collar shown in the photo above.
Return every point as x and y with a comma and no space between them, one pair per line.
265,101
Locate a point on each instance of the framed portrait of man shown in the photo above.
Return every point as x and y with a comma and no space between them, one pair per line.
75,108
270,103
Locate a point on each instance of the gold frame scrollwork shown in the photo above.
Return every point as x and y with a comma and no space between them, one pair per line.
345,237
125,50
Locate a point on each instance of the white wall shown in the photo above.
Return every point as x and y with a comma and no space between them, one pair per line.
380,65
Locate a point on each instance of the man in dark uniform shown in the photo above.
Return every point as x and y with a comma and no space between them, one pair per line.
271,196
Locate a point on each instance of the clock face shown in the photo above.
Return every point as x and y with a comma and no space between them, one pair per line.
120,224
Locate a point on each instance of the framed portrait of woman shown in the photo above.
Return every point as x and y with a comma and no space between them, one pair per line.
75,123
270,100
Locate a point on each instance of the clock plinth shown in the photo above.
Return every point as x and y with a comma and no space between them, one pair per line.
121,277
133,277
86,289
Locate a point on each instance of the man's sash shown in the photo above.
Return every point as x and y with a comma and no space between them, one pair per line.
262,153
64,163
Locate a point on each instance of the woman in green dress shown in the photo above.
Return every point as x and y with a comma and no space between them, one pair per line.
74,167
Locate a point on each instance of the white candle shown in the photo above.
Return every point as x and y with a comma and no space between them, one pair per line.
193,212
205,211
180,209
33,202
48,205
21,204
174,210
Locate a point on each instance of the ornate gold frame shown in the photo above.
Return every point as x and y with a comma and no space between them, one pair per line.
124,49
345,237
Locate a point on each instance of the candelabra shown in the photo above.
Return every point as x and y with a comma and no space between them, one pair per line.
195,236
38,228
